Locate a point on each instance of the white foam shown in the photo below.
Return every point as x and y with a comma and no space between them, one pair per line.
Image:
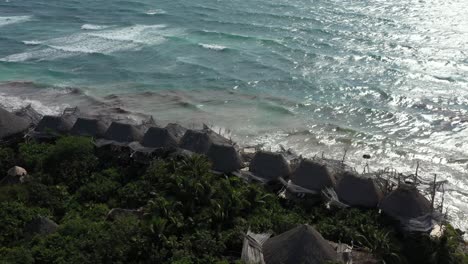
97,41
153,12
14,103
93,27
213,47
8,20
32,42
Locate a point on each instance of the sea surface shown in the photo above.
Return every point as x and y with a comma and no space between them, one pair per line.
379,77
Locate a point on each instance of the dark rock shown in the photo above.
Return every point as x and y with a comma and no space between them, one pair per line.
313,175
269,165
121,132
358,192
88,127
405,202
40,225
11,125
225,157
157,137
302,244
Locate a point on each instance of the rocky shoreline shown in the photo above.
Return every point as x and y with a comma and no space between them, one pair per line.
316,181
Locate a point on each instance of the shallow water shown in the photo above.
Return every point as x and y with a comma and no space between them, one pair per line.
388,78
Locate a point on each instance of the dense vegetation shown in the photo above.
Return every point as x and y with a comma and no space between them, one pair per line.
186,213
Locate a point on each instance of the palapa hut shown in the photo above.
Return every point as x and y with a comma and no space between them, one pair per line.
225,157
54,124
157,137
313,175
405,203
29,114
302,244
176,130
123,133
358,192
199,141
88,127
269,166
16,175
11,125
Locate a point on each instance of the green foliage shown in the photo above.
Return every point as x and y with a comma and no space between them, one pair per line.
7,160
188,214
13,217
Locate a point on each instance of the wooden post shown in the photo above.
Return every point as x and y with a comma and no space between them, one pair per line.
434,187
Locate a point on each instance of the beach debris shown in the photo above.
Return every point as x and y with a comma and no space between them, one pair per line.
302,244
225,157
269,165
358,191
88,127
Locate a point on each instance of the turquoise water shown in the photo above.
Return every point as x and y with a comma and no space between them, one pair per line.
389,78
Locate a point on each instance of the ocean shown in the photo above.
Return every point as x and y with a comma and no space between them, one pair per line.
385,78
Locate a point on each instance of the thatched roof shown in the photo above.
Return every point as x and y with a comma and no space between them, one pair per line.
196,141
88,127
199,141
55,124
11,124
15,175
176,130
302,244
269,165
29,114
225,157
157,137
358,192
405,202
121,132
313,175
40,225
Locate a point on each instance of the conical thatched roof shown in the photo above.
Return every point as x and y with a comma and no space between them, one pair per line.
157,137
225,157
358,192
313,175
302,244
269,165
121,132
176,130
56,124
196,141
40,225
405,202
29,114
11,124
88,127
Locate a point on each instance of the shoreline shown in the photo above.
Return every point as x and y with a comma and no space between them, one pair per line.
333,187
309,141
